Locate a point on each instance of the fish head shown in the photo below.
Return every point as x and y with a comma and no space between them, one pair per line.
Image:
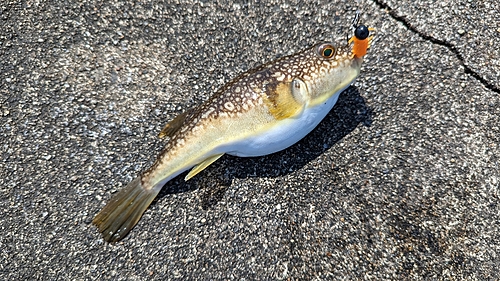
328,68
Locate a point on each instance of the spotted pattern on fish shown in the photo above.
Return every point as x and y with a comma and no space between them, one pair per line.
260,112
267,84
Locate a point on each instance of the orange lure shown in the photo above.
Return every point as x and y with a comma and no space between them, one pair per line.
361,40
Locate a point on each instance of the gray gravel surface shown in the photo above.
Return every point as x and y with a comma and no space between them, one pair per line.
400,181
471,29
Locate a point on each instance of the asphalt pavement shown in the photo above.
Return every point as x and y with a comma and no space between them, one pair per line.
401,181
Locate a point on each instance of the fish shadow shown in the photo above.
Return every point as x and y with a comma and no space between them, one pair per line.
348,113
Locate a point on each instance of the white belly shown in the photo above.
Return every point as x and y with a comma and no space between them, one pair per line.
284,134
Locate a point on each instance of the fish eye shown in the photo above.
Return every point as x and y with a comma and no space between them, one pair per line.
361,32
326,51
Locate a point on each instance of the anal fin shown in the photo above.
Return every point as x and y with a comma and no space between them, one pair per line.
200,167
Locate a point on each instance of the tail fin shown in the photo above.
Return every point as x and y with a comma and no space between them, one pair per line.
124,210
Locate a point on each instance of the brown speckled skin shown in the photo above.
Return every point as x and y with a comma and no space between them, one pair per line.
247,104
259,112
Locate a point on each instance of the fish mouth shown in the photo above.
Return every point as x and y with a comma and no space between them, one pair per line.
357,61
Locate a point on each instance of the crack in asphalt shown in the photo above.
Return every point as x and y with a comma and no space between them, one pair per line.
452,48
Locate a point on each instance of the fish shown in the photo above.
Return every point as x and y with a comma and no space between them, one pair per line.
261,111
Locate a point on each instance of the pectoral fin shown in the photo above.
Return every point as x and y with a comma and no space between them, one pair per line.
286,99
173,125
200,167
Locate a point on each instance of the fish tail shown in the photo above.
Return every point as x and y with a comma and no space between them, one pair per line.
124,210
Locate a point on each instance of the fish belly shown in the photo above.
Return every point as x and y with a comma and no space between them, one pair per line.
284,133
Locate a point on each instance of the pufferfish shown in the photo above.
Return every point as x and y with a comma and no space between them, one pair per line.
262,111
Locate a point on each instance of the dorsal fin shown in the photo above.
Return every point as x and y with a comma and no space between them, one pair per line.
174,125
